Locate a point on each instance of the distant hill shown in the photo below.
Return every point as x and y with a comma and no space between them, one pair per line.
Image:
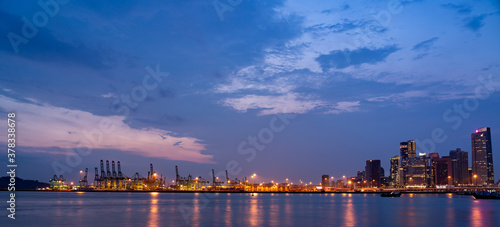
22,184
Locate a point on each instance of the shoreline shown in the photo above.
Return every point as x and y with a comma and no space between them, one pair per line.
235,192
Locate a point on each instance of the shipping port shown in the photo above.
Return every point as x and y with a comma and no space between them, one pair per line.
109,177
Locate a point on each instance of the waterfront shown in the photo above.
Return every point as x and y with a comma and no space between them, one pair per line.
235,209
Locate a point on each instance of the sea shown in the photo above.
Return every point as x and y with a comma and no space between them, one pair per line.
35,208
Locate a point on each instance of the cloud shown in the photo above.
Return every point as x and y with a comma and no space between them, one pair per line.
262,78
346,25
109,95
344,107
43,126
289,103
334,10
399,96
425,45
475,23
342,59
460,8
50,46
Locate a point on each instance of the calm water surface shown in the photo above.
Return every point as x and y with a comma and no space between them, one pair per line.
203,209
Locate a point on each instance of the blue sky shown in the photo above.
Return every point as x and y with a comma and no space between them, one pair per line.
352,78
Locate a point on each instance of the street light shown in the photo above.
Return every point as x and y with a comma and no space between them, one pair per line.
475,178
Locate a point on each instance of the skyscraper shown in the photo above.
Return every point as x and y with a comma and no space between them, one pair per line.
442,171
394,174
416,174
430,169
460,162
482,157
372,173
406,150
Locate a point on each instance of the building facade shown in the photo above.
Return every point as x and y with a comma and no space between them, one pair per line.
406,150
430,169
416,175
482,157
372,173
460,162
443,171
340,183
394,173
325,181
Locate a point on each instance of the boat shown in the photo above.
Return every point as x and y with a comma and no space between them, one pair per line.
463,193
486,195
391,194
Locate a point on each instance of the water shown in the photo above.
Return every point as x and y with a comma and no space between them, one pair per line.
202,209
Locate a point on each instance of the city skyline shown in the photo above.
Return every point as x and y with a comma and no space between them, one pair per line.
284,89
438,170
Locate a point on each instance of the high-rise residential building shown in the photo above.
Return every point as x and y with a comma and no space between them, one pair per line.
443,170
430,169
372,173
394,174
460,162
482,157
416,174
406,150
325,181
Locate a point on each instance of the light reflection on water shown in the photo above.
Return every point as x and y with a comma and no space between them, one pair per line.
154,218
350,216
222,209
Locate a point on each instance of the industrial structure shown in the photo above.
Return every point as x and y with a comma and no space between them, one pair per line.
409,171
58,183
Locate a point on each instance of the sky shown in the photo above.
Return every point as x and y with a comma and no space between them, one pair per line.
283,89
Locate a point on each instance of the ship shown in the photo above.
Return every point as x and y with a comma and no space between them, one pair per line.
486,195
391,194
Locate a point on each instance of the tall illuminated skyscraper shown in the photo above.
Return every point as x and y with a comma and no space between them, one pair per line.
406,150
394,174
482,157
